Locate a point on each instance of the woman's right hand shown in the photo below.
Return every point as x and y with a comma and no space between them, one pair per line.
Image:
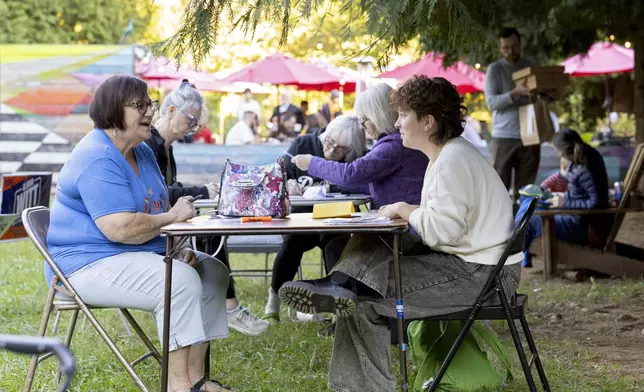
213,189
183,209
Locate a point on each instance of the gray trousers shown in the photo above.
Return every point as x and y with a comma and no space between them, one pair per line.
509,154
433,283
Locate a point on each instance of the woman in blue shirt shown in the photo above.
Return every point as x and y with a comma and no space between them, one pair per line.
111,202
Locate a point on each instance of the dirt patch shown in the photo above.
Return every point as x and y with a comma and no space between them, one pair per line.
612,331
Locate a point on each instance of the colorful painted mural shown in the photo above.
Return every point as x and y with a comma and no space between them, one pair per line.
45,92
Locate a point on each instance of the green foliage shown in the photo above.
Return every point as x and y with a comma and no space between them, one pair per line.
623,127
71,21
291,357
582,105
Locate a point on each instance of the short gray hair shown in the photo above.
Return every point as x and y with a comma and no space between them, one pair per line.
183,97
375,106
348,132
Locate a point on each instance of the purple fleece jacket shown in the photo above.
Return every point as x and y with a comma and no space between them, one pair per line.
393,172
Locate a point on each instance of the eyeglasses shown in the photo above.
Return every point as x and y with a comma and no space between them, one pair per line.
330,144
142,106
363,121
193,123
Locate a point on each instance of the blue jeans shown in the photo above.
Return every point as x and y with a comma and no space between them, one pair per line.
568,228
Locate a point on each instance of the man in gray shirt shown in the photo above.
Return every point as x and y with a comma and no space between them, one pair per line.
503,98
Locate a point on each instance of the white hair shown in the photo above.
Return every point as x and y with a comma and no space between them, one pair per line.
374,105
183,97
348,132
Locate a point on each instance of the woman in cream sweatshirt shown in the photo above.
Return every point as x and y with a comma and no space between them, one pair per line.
460,230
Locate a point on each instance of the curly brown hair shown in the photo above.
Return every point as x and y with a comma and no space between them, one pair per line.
433,96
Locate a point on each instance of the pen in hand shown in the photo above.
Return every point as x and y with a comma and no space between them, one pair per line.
195,198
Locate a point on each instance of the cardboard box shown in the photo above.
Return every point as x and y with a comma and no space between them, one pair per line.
535,123
554,69
550,80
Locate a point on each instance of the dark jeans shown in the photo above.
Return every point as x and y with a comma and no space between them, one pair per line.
568,228
221,256
509,154
289,257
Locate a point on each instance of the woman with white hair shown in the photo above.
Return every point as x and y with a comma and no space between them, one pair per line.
343,140
393,173
390,170
180,116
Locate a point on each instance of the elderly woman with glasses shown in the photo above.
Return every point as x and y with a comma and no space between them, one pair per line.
179,117
111,202
343,140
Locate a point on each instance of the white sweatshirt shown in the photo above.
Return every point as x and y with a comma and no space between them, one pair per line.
465,209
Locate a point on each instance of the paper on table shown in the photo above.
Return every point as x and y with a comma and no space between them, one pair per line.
314,192
361,220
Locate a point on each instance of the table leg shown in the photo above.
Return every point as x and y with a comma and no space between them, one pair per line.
206,364
400,314
547,247
166,315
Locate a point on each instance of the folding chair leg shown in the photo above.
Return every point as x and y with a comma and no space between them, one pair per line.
535,354
68,339
127,327
299,273
517,341
130,370
41,332
54,328
322,266
139,331
266,268
206,364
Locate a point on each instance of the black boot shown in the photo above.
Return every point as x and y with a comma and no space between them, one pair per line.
334,294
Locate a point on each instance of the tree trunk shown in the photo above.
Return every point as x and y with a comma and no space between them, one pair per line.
638,48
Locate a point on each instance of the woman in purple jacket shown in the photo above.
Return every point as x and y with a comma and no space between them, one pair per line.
392,172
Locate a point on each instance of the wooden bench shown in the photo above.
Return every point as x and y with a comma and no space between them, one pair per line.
608,260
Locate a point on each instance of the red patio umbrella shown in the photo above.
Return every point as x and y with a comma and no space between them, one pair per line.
602,58
165,74
343,74
281,70
466,79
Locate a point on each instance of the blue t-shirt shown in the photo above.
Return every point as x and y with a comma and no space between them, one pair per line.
97,181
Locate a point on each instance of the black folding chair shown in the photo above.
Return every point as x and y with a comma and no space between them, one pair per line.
507,310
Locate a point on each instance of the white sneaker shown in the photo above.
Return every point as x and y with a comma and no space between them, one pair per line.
307,317
243,321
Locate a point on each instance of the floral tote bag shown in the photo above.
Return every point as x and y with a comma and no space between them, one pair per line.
254,190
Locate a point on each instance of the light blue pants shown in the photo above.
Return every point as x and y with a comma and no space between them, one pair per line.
136,281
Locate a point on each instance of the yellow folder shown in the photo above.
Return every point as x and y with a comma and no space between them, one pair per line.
342,209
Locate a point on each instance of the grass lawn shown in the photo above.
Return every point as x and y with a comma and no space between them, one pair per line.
25,52
589,335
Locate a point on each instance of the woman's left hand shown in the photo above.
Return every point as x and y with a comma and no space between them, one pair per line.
302,161
391,211
188,256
